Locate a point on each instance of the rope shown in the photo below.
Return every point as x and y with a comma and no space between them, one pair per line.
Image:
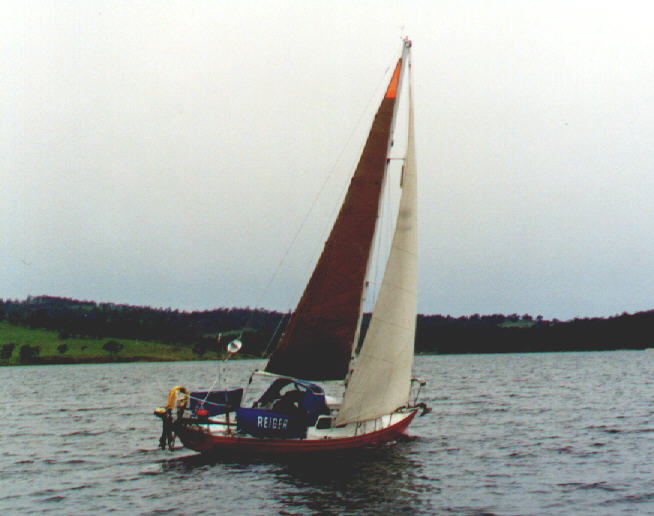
204,401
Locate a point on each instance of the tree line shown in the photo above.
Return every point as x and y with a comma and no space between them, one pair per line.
258,329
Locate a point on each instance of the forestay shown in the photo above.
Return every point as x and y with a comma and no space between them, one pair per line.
381,379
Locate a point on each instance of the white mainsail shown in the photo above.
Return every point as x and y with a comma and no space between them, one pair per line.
381,378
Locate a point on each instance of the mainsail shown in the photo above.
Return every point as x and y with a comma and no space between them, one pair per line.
381,378
317,344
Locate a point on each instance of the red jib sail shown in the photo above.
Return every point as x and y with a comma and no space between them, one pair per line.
317,344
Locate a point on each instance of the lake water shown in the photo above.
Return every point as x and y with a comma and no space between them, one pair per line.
559,433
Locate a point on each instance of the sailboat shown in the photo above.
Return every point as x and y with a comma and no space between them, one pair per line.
318,346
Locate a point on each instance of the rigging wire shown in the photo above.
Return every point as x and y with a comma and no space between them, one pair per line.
381,83
329,175
388,208
272,337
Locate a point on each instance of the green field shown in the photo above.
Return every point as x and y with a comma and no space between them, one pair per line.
83,350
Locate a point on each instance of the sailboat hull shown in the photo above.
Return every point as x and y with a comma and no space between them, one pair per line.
199,439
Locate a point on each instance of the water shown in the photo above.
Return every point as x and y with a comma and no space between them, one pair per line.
558,433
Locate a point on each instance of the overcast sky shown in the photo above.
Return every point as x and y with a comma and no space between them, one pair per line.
166,153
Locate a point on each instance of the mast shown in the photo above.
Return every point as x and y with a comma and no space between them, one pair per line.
318,342
381,379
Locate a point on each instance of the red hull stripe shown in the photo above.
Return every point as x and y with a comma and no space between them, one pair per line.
198,440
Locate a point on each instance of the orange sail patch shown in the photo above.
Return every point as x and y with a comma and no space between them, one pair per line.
391,92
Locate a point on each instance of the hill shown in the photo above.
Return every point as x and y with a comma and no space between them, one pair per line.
142,333
22,345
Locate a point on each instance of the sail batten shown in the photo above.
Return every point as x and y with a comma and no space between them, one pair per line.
318,341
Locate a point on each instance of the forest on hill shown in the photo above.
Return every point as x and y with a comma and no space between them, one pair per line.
208,331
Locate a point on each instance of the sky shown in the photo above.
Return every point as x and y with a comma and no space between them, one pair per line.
192,154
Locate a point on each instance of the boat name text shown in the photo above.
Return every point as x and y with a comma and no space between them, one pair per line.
275,423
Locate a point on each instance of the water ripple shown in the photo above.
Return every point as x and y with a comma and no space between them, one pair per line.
509,434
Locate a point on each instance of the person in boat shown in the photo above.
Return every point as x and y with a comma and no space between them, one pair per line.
284,397
290,404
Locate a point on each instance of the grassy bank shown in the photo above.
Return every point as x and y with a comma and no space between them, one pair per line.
55,350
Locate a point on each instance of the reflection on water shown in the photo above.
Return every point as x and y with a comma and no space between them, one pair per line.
379,480
509,434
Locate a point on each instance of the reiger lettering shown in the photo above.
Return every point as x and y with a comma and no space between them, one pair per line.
274,423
